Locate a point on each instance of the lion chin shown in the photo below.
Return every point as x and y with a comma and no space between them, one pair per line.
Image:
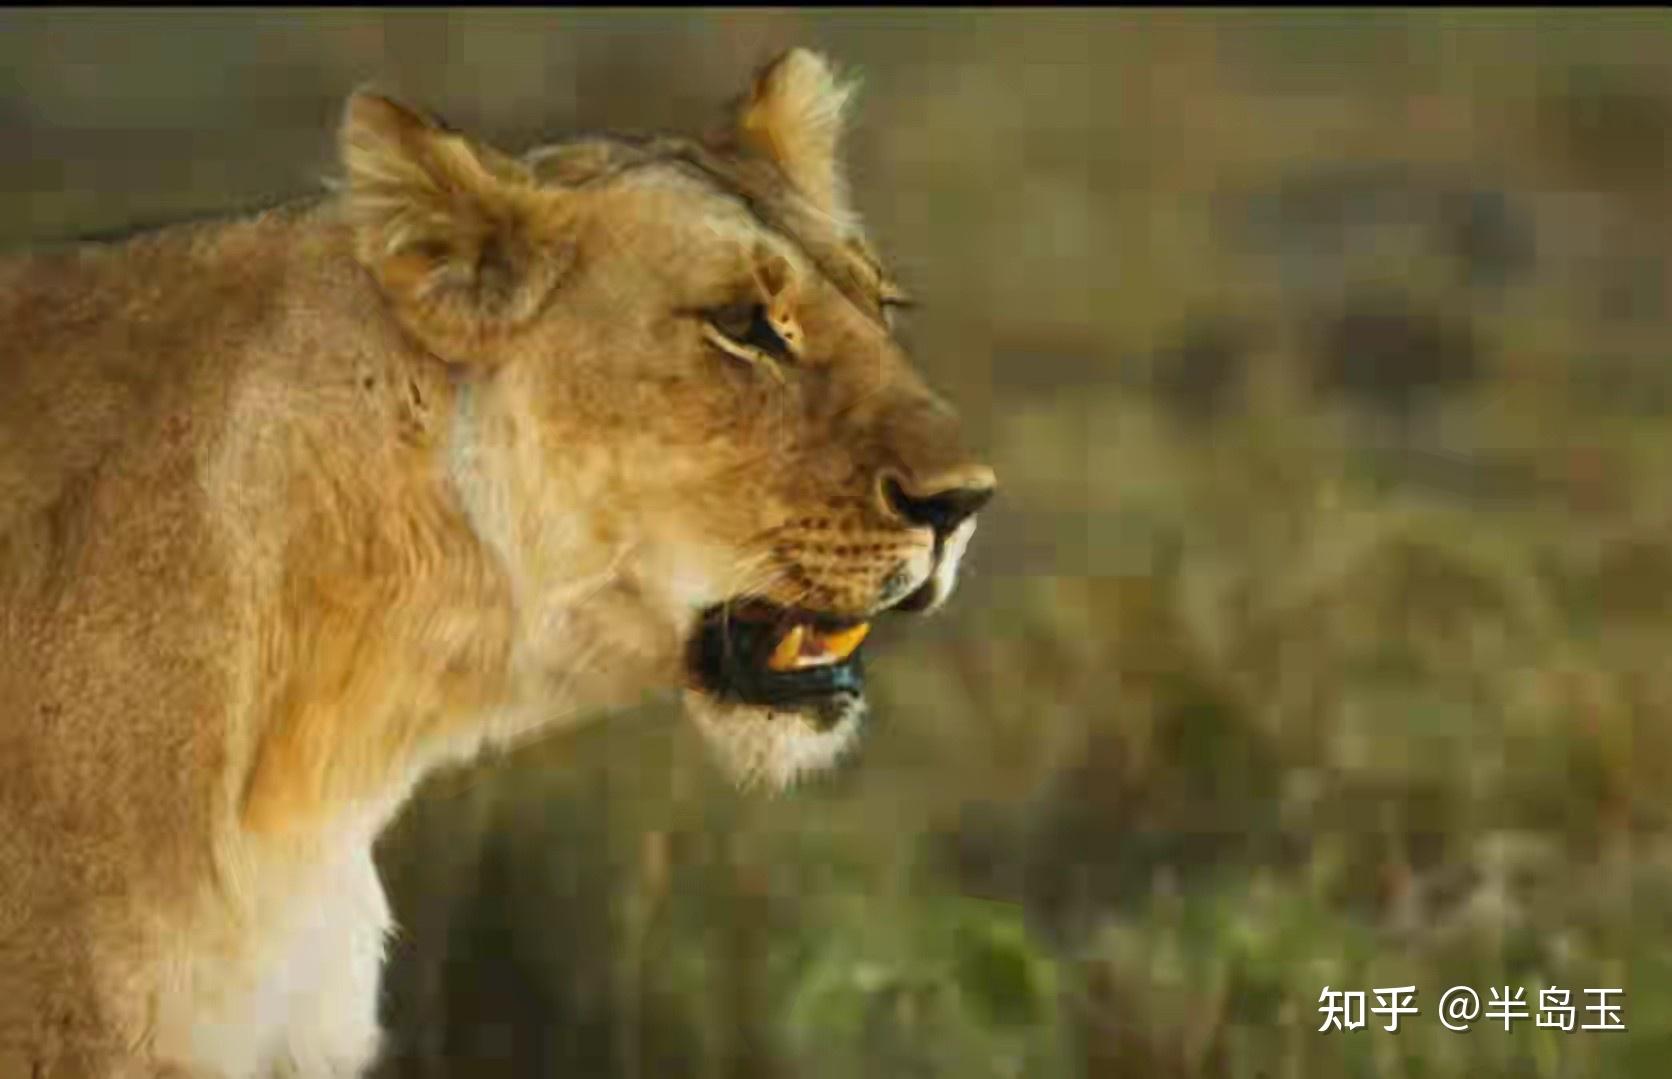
766,748
779,693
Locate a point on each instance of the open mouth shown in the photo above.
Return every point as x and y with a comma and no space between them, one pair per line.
759,653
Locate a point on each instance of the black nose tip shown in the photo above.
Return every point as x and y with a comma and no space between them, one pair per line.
942,511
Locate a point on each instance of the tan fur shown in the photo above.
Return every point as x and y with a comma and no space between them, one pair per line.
794,116
295,507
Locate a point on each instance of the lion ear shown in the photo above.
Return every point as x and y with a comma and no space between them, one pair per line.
793,115
458,236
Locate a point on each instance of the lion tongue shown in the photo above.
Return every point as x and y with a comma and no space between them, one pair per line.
803,646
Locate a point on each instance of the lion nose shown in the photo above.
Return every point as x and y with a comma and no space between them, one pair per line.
942,505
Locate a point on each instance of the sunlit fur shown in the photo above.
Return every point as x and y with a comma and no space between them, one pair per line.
297,506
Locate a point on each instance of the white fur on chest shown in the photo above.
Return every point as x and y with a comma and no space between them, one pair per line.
285,982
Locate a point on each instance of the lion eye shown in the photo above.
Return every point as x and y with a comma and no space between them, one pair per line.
750,325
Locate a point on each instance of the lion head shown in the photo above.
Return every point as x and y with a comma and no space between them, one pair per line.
678,387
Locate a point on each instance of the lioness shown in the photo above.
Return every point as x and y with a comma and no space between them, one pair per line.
295,507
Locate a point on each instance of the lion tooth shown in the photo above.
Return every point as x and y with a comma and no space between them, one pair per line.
842,643
788,649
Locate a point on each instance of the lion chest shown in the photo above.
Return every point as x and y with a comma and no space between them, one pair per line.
287,986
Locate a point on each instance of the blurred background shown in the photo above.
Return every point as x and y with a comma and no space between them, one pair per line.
1319,635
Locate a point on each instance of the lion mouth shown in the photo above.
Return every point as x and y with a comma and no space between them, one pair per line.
758,653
